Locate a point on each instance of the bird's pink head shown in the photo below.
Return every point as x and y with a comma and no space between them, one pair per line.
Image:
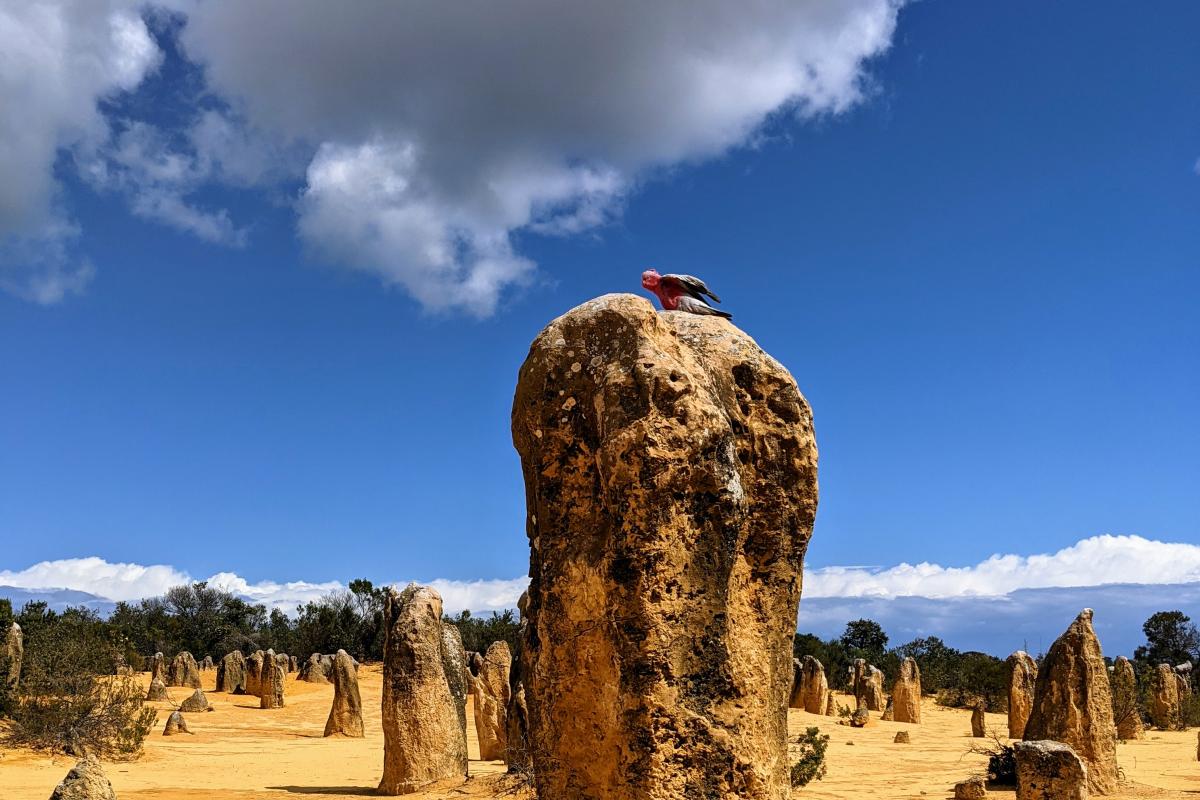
650,279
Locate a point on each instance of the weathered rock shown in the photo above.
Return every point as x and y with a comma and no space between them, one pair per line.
796,698
345,717
906,692
1022,680
902,737
254,668
207,664
474,662
231,673
1165,710
860,718
815,686
973,788
157,691
670,474
1198,745
1184,684
517,756
491,693
85,781
175,725
830,705
271,681
284,662
158,668
979,720
1073,703
184,671
14,656
873,685
197,702
858,682
454,664
315,669
889,711
1126,713
421,728
295,664
1048,770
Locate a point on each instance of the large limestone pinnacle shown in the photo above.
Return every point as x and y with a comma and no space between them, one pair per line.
671,483
1073,703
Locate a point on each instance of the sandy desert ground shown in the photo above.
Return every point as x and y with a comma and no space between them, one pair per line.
240,752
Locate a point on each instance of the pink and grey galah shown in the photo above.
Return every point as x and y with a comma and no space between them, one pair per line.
682,293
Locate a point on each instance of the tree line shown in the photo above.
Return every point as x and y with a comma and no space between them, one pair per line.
961,679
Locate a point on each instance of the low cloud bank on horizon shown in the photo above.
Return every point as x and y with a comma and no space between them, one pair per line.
1095,561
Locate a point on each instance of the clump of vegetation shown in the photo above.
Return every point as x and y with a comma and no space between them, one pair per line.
68,699
811,764
1002,762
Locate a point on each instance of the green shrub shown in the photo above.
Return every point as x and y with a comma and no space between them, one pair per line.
811,764
68,699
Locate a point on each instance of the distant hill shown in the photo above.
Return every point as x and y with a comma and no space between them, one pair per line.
58,599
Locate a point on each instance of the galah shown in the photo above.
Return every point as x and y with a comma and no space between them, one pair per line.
682,293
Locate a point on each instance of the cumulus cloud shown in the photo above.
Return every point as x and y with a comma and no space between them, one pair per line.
157,177
119,581
440,130
433,133
123,581
832,591
1089,562
58,60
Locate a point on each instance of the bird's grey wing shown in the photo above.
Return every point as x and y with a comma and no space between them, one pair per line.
693,305
692,285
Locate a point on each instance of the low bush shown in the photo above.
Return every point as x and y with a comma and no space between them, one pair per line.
811,764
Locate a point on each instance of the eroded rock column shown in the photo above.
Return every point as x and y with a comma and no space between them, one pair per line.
491,692
345,716
422,736
1022,680
906,692
1073,703
671,484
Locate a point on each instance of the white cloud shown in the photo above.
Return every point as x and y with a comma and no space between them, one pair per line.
122,581
1092,562
157,178
57,60
438,130
118,581
432,132
1089,562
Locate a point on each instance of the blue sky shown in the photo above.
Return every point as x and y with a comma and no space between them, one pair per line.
977,255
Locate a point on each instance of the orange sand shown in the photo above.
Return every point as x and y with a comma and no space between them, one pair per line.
240,752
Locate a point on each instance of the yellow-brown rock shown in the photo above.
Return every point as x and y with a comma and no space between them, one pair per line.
810,687
1048,770
1022,681
1073,703
345,716
906,692
1165,708
671,483
491,693
254,668
270,682
183,671
422,736
979,720
14,654
1126,714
